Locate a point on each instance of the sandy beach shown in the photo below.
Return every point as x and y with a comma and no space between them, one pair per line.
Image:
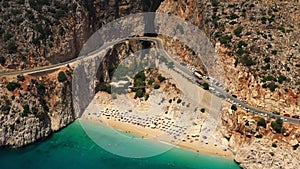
191,143
165,121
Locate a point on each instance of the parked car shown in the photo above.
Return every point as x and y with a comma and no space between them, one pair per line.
287,115
275,112
183,64
295,117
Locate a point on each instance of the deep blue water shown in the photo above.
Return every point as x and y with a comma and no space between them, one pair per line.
72,148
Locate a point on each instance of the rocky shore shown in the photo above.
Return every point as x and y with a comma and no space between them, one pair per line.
32,107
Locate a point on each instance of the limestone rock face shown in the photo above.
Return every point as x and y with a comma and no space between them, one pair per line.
272,59
31,39
259,155
26,132
45,33
62,113
35,111
271,151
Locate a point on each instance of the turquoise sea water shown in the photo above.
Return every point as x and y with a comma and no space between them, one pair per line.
72,148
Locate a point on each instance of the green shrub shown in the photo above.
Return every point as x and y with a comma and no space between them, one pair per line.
179,101
202,110
232,16
247,61
215,2
21,78
233,107
232,22
5,4
277,125
205,86
282,29
29,15
44,104
267,67
26,110
62,76
236,62
267,59
281,78
5,108
7,36
146,96
274,145
140,76
240,52
139,93
242,44
59,14
295,147
272,154
11,86
20,1
74,7
139,83
151,81
272,86
41,89
161,78
11,47
264,86
271,19
264,20
269,78
269,46
225,39
259,136
157,86
238,31
104,88
2,60
248,33
274,52
262,122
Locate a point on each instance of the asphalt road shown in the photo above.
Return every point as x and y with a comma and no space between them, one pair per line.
183,69
189,74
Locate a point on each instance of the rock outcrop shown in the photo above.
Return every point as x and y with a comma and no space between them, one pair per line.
32,107
259,52
257,147
34,34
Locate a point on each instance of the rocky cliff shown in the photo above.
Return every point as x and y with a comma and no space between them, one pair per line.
38,33
258,45
258,145
33,106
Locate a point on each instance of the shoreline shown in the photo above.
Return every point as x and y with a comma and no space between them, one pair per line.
146,132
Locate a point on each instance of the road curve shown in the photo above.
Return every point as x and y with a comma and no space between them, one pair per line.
186,71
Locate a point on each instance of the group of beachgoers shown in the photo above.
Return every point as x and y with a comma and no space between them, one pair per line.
165,124
178,132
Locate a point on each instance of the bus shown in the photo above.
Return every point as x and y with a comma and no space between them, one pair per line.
198,74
